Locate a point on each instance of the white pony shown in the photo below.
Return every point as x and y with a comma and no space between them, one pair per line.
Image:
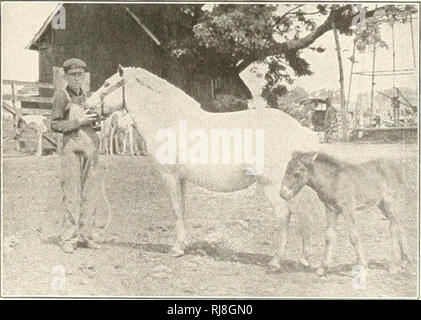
37,123
118,128
157,106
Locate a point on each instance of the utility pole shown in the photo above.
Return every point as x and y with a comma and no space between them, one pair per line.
372,84
343,117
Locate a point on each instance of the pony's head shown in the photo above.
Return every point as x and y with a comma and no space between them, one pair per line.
109,97
297,174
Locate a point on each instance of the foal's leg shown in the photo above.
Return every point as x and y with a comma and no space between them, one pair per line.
354,236
399,243
332,221
176,188
304,227
282,214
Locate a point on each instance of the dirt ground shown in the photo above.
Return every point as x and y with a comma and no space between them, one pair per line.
231,235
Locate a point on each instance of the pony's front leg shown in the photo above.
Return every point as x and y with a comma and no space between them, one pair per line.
39,149
125,137
112,134
282,214
131,141
176,187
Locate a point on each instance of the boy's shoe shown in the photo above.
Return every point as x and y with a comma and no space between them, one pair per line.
68,247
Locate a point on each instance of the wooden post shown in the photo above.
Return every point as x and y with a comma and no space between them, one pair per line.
16,115
372,84
413,43
352,72
59,84
395,101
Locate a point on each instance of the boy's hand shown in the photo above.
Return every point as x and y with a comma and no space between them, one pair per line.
86,118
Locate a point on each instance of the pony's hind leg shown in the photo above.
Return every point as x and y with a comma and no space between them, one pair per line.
176,188
131,139
399,244
282,214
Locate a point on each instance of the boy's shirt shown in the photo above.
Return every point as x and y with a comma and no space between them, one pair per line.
67,102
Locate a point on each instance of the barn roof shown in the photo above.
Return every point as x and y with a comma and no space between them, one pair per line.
33,44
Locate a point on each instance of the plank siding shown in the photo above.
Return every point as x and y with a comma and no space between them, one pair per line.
105,36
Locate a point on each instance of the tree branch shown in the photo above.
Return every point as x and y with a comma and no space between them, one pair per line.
297,44
290,10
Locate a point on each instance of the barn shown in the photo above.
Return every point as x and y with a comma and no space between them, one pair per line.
131,35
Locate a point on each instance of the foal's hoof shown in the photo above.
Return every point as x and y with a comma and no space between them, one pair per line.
274,264
394,268
406,258
404,264
177,250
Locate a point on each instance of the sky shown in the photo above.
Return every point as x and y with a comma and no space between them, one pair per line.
21,20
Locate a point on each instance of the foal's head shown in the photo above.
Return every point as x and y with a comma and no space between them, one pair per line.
297,173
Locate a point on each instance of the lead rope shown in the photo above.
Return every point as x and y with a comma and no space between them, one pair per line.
107,168
104,227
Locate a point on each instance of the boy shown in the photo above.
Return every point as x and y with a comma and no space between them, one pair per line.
79,164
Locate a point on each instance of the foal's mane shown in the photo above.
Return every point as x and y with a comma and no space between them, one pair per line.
325,158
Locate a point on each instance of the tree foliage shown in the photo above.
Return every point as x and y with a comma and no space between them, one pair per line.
230,37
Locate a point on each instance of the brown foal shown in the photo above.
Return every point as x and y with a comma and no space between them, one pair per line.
344,188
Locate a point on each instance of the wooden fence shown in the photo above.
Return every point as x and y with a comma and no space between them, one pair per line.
10,101
10,105
14,98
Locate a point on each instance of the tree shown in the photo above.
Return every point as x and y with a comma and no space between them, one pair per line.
230,37
343,117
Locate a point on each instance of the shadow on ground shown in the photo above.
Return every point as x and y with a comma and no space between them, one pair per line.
221,253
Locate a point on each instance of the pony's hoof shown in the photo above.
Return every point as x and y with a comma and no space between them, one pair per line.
175,253
274,264
304,262
321,271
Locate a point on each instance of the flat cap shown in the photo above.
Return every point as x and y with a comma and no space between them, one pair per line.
74,63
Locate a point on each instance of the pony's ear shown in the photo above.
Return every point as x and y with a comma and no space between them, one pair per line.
309,157
120,70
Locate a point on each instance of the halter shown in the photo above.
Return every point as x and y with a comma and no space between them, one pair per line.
114,87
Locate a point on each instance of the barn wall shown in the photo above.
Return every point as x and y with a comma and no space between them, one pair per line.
105,36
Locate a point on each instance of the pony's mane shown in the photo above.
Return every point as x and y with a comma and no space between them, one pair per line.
161,89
